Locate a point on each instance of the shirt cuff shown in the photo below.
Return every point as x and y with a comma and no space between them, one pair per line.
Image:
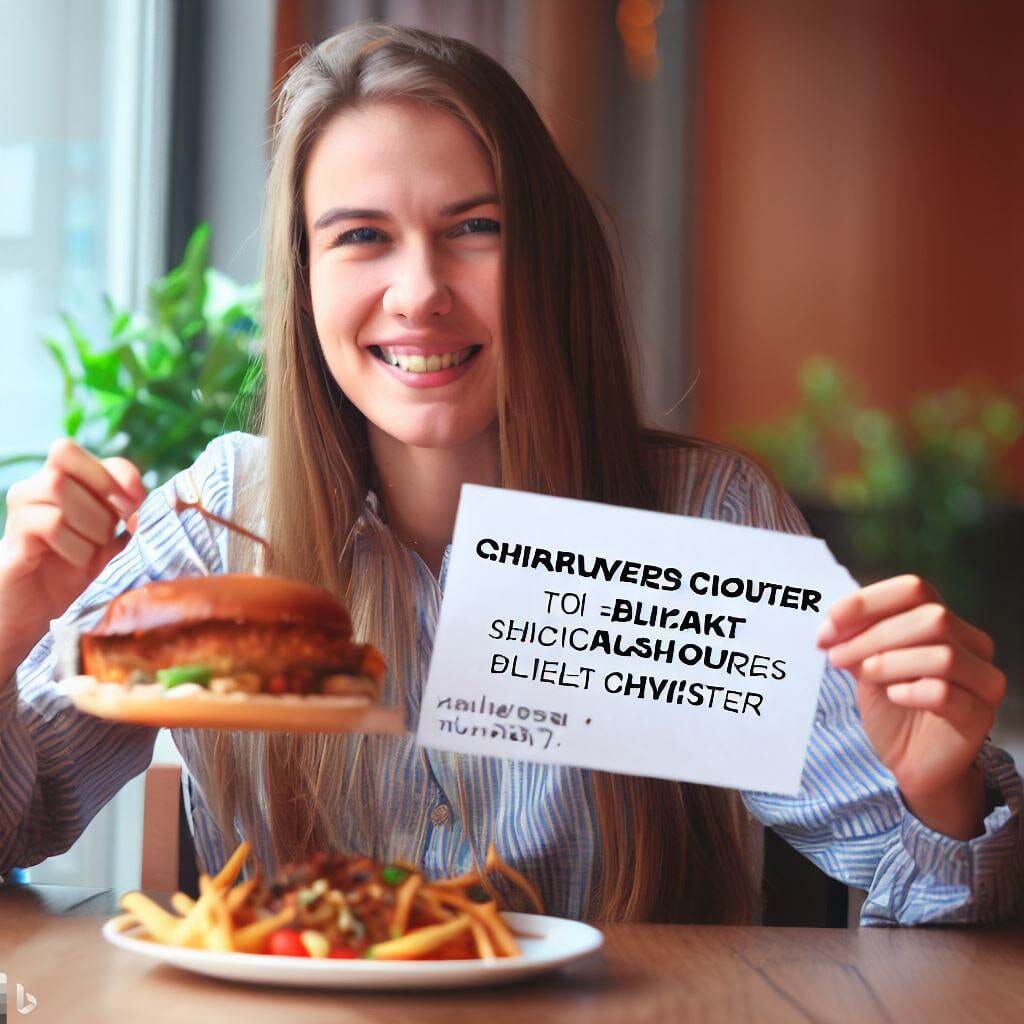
964,862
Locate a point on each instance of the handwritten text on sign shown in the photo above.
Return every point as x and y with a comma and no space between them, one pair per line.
638,642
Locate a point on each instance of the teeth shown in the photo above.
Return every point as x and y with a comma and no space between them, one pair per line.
427,364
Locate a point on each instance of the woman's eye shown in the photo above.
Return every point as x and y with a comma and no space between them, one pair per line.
476,225
358,236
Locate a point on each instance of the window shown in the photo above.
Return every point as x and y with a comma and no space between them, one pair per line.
84,158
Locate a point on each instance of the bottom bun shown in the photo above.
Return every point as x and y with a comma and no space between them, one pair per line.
191,706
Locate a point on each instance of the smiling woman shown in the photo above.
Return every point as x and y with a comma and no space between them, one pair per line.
405,286
418,214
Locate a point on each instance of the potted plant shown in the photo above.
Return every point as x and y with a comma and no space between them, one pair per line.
163,383
926,491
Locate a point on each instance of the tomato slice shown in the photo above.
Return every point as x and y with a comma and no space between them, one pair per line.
285,942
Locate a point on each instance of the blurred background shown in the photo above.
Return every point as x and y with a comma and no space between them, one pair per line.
820,210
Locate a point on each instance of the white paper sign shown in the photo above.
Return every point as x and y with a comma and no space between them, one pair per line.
639,642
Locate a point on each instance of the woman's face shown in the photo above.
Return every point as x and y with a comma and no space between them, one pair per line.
404,267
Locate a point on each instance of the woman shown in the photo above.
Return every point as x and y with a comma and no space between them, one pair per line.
419,214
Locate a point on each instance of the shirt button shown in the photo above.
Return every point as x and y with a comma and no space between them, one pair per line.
441,815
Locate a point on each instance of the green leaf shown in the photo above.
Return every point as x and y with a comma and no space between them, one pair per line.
178,298
57,351
131,363
820,382
14,460
73,420
1003,419
100,368
119,323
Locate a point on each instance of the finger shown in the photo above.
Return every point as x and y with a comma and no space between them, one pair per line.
83,511
939,661
45,524
65,454
128,476
942,698
856,611
924,624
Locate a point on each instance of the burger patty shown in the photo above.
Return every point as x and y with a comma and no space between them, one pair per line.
229,648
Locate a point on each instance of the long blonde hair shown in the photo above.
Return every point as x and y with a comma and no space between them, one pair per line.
666,851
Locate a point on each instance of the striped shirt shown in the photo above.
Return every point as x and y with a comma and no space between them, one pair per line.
59,767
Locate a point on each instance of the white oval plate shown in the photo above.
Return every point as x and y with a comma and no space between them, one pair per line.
553,942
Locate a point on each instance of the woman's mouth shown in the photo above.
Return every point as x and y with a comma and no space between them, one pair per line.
426,371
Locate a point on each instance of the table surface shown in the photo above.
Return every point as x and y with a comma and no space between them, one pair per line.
50,942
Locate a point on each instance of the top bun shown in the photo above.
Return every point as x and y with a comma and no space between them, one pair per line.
231,597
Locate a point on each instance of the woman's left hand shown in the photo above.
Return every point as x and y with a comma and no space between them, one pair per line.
928,694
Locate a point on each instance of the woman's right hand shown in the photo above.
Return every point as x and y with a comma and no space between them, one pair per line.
61,532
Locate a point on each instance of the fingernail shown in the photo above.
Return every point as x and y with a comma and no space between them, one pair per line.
122,504
828,634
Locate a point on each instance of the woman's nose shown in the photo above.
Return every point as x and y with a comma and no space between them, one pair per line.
417,291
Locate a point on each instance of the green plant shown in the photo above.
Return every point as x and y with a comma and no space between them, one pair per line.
163,383
910,485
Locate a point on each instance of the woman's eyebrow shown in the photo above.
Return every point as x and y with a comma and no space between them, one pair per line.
332,216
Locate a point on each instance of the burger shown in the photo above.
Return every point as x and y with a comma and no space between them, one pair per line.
232,633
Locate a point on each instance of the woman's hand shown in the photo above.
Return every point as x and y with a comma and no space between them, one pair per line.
928,694
60,533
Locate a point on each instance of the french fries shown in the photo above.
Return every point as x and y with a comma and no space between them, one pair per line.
429,919
250,939
182,903
418,943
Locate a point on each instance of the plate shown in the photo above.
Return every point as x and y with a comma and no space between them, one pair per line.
552,942
205,710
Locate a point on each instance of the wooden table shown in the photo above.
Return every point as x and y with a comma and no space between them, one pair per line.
50,942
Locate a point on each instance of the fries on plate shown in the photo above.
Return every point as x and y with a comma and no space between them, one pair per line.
336,907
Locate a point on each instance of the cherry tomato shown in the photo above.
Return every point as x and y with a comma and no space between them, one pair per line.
285,942
278,684
342,953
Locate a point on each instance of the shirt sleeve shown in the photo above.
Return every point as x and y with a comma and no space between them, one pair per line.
849,817
59,766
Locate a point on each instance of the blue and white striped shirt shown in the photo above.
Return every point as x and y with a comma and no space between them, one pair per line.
58,767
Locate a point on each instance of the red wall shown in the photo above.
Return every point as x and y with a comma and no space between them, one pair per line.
859,193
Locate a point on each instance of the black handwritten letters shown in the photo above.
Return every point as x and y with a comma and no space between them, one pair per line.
516,723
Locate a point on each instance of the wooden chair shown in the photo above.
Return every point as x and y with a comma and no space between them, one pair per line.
796,893
168,855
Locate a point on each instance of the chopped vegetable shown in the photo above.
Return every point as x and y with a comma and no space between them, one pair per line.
394,875
316,944
201,674
286,942
304,897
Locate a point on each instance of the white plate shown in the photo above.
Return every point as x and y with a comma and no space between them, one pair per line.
554,941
